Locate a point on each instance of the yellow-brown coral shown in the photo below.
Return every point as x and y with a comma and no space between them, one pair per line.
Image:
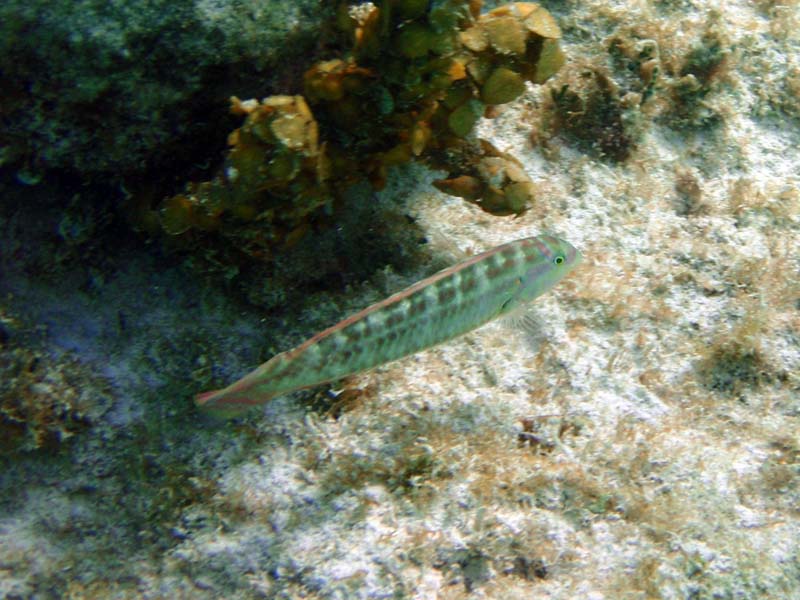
275,160
496,182
417,80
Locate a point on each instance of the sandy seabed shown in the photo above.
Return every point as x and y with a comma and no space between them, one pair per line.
637,437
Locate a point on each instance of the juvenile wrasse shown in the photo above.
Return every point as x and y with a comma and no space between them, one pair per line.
434,310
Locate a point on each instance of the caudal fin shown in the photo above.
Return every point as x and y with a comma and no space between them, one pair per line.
237,398
201,399
224,403
257,387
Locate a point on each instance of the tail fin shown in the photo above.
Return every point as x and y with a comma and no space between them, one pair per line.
218,404
242,395
232,401
201,399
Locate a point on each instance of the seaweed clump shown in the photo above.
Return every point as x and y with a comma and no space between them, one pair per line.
734,367
44,400
604,107
274,159
736,363
590,111
414,83
699,75
601,109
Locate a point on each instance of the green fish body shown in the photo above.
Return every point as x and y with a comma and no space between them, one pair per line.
445,305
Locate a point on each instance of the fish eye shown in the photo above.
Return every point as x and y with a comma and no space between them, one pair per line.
558,259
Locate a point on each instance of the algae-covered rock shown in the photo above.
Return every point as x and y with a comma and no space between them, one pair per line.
104,89
44,399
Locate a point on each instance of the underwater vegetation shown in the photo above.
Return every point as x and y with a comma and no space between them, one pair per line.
417,78
604,103
589,111
44,400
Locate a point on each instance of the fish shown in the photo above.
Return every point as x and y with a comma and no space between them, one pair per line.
439,308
